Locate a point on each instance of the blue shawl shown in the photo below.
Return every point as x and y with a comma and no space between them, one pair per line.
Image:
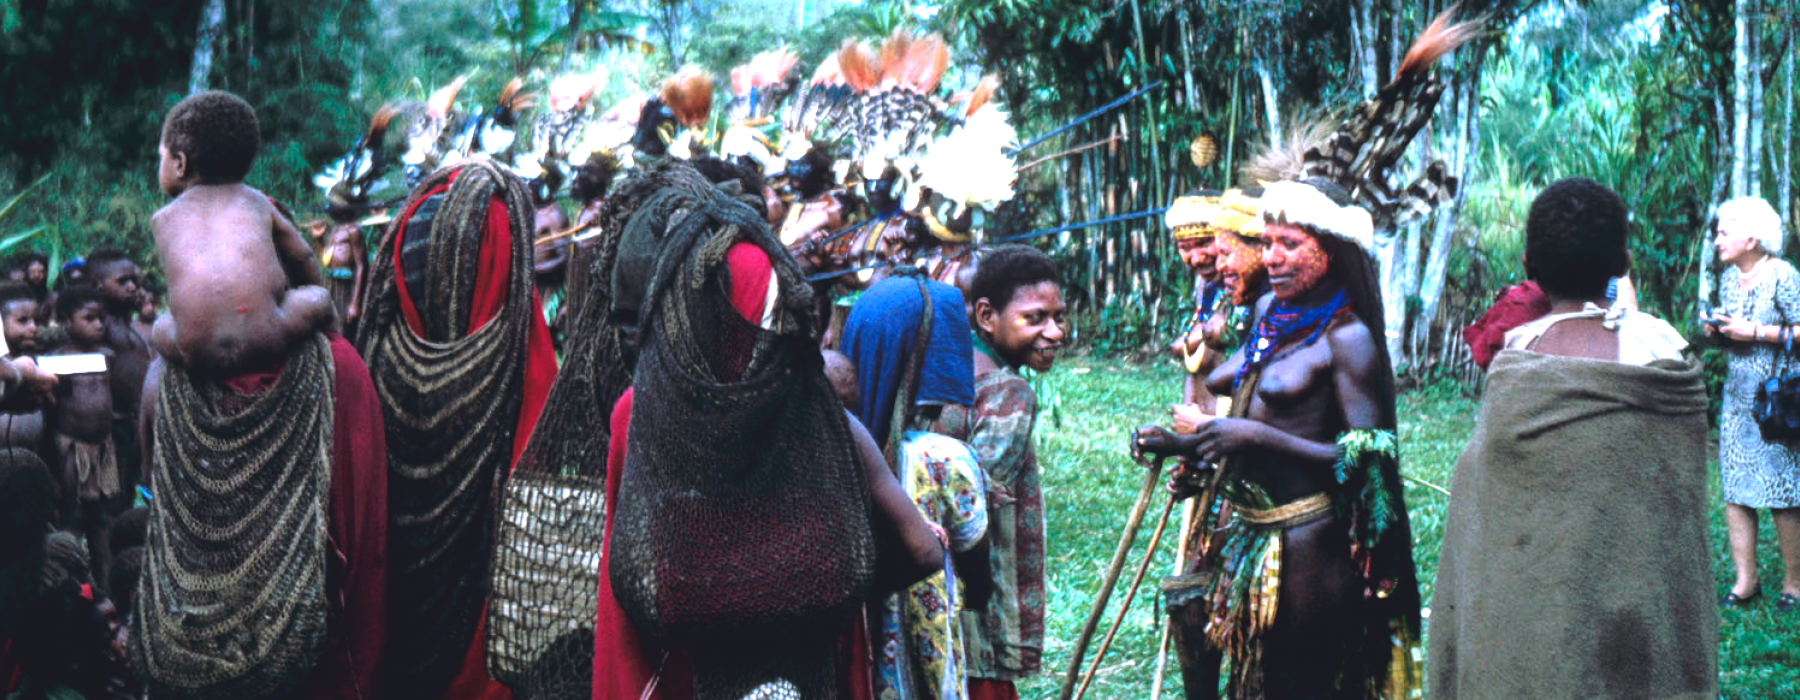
879,335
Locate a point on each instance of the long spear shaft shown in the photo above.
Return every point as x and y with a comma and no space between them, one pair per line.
1152,475
1085,117
1130,593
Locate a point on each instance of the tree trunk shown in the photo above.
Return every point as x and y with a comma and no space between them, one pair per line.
1740,101
1784,193
575,8
1270,104
206,39
1189,98
1363,30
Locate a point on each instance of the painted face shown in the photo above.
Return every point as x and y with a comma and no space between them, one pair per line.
1241,266
1295,260
88,325
1734,242
1030,330
1200,256
21,328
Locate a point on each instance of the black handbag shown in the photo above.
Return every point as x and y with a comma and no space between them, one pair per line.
1777,405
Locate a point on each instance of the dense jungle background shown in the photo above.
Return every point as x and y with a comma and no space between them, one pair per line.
1677,104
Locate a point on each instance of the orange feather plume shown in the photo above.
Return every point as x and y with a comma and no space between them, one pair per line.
1439,38
743,79
440,102
983,92
828,72
771,67
379,123
859,65
926,60
689,95
894,53
511,98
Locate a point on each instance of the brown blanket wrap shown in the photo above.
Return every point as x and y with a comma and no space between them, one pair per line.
1575,560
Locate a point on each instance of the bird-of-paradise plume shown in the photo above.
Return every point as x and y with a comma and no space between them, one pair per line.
512,102
689,95
772,67
572,92
828,72
441,101
860,66
1284,156
379,123
742,80
1439,38
892,58
926,59
983,92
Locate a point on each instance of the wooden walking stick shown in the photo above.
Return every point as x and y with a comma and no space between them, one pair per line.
1137,579
1153,474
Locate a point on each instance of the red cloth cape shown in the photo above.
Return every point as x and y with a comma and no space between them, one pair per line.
491,281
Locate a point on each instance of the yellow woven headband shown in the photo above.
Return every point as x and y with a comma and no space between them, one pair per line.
1240,214
1190,218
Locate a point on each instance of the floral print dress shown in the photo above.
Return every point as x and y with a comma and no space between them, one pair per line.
920,652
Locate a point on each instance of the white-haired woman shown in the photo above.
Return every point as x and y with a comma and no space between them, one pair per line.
1760,309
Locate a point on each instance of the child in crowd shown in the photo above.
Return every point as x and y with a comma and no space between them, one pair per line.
18,313
243,285
1020,321
82,416
144,320
22,413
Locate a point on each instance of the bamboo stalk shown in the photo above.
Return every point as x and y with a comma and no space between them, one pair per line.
1137,579
1152,475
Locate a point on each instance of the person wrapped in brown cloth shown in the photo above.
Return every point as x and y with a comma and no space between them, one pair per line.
1575,561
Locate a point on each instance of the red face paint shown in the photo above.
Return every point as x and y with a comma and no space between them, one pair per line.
1241,266
1295,260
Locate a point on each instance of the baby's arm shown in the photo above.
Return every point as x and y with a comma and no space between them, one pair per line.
296,256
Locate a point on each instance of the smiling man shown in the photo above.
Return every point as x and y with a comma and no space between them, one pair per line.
1020,321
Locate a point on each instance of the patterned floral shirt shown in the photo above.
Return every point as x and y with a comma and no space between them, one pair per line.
921,656
1006,640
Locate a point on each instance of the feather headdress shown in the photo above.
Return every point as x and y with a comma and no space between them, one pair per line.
970,166
349,180
689,94
1360,155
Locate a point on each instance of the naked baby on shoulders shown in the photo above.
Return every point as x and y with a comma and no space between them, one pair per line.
243,285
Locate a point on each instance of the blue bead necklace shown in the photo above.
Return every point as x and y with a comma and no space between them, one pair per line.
1283,323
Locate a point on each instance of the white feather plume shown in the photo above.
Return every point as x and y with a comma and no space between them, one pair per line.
969,165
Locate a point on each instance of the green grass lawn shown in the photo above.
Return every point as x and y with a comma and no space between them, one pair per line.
1090,483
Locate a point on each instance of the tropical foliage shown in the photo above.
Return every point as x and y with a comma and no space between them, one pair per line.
1663,99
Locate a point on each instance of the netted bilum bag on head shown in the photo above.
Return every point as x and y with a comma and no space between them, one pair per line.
232,602
450,396
742,530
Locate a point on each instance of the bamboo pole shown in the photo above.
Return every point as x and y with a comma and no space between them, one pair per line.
1152,475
